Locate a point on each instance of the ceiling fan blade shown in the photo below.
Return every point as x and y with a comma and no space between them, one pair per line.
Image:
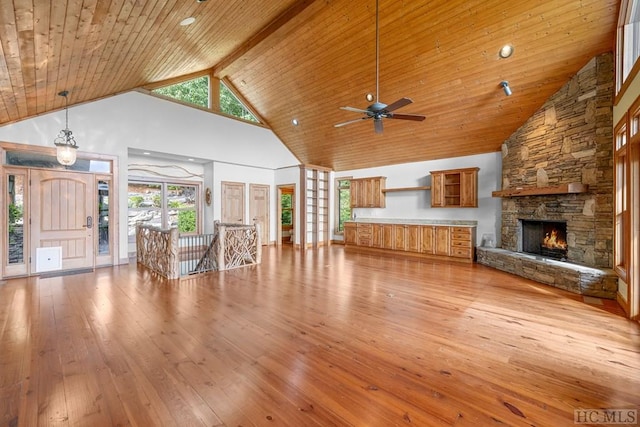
350,121
355,110
399,103
415,117
377,124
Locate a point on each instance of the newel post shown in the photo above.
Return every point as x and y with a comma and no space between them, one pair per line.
258,242
222,231
174,256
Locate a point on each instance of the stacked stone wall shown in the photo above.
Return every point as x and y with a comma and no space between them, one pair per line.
569,139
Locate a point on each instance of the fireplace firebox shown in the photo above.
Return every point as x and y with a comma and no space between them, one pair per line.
544,238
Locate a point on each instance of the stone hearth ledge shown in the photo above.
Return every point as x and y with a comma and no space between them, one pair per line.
579,279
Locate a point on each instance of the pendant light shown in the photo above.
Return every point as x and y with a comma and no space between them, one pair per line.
65,142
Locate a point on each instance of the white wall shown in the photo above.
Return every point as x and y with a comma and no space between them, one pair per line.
416,204
231,150
140,121
247,175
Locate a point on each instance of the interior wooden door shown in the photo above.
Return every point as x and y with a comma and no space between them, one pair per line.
259,208
61,210
233,203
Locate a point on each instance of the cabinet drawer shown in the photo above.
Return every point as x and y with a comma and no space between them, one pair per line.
364,241
461,230
460,252
461,243
461,236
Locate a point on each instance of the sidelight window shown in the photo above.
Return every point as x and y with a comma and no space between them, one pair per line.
15,193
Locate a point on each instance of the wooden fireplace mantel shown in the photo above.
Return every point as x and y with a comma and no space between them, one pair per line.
570,188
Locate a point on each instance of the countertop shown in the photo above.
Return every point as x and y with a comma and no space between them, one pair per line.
459,223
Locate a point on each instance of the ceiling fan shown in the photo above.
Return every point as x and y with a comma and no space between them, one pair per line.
378,111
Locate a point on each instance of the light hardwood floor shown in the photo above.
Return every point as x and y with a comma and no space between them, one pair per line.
310,338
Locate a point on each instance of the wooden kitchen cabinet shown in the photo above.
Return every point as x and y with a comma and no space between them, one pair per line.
462,242
399,237
441,240
376,236
350,233
412,237
419,240
367,192
364,234
427,239
387,236
454,188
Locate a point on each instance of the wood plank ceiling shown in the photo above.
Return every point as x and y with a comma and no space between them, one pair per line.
303,59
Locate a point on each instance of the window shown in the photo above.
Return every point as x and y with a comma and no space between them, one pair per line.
230,104
621,216
195,91
343,192
15,217
287,209
628,43
164,205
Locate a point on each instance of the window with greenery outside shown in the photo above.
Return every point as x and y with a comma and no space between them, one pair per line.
344,203
182,207
196,92
230,104
287,209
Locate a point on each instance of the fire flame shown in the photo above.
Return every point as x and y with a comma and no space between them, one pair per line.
553,242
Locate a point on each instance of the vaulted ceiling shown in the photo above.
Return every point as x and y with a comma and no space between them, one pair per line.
304,59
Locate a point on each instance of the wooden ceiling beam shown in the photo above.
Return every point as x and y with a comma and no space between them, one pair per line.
269,36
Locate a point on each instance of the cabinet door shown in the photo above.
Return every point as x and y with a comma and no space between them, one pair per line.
367,197
412,234
350,233
437,189
399,237
378,197
427,239
387,236
442,240
376,236
357,193
469,189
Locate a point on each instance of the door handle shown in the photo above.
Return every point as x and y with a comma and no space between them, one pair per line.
89,222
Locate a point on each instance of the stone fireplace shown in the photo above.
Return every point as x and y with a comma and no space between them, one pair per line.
566,144
545,238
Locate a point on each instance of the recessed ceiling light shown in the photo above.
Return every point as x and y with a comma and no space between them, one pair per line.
369,97
191,160
294,122
187,21
146,153
506,51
